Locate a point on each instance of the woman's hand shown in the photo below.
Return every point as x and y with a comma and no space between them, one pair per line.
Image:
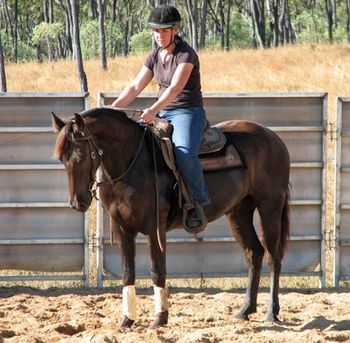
148,115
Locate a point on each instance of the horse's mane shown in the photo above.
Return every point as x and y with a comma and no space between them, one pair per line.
94,113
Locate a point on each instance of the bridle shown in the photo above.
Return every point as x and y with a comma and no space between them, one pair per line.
95,151
93,148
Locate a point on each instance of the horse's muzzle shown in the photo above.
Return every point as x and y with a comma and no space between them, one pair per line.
80,204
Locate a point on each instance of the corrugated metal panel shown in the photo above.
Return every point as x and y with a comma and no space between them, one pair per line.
300,120
39,232
342,194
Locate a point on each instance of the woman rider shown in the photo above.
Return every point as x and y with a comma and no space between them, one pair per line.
175,67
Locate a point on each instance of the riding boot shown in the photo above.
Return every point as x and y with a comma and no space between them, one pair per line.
194,220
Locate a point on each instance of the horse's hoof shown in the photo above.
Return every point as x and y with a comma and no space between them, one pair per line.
272,318
245,312
160,320
242,316
126,323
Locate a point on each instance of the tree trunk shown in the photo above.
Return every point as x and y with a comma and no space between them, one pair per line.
274,23
114,11
2,70
46,11
291,36
348,18
222,23
228,23
101,17
128,25
76,45
93,9
69,29
15,32
191,9
203,23
51,16
330,13
258,17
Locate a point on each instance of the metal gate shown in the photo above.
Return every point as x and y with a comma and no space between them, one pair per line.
342,194
38,230
300,120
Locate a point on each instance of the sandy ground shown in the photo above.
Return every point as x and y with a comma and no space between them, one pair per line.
80,315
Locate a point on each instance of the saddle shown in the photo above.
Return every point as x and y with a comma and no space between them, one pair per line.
213,141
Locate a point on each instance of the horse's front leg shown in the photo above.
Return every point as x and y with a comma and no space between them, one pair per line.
126,243
158,274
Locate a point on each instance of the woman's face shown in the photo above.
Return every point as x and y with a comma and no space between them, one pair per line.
164,37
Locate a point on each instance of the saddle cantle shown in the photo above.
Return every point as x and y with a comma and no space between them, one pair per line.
213,140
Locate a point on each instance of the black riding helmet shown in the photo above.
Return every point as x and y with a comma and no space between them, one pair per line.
164,17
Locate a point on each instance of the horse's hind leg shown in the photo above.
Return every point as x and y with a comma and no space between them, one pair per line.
241,222
271,221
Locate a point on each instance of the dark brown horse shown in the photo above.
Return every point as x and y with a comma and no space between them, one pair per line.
107,138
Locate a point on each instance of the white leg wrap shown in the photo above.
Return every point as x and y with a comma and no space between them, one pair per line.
160,299
129,302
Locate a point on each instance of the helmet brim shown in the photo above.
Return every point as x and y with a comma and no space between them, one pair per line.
164,26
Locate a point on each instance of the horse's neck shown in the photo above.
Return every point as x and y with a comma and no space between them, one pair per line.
119,145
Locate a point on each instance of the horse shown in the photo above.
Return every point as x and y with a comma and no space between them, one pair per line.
129,160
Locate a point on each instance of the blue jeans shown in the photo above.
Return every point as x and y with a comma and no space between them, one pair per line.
189,124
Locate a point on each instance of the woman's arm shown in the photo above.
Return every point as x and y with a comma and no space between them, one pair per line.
132,90
178,82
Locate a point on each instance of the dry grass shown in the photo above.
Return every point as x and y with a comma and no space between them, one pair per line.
319,68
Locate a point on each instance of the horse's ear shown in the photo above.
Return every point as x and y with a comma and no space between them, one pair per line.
79,120
57,123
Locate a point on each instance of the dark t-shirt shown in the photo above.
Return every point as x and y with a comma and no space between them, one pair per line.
191,95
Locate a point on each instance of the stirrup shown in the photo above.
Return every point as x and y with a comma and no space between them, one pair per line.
202,219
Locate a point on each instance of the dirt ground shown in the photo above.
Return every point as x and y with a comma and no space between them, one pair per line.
90,315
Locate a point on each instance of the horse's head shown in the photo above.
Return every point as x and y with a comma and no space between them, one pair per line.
77,150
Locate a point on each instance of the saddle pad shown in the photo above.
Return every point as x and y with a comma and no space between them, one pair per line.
231,159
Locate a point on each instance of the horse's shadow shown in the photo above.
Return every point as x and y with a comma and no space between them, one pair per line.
319,323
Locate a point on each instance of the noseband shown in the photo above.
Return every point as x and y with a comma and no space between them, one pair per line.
96,151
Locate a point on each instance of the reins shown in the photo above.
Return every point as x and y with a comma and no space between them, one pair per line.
100,153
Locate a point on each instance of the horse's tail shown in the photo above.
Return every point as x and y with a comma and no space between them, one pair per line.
285,223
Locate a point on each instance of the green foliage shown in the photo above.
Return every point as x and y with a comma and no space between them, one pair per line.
240,32
24,51
141,42
90,38
46,32
312,26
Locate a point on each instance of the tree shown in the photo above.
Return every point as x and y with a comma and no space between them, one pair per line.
329,5
101,19
192,15
2,69
203,23
348,18
47,34
258,18
74,4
